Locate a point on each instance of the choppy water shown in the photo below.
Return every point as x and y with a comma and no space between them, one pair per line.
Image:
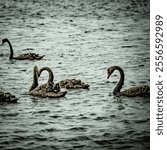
80,39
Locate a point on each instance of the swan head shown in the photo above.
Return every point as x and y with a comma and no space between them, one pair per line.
36,70
35,74
110,71
4,40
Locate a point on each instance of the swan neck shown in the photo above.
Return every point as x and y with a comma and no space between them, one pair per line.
11,50
35,81
51,76
121,81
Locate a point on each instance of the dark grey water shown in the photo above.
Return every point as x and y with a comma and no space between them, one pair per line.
80,39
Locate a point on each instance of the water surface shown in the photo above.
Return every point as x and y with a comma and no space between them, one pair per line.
80,39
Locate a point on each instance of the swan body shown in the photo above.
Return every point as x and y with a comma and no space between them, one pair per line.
73,84
45,90
7,97
27,56
134,91
67,84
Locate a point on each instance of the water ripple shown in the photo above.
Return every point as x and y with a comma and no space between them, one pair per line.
80,39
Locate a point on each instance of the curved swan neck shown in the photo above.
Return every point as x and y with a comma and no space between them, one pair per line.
11,48
35,79
51,76
121,81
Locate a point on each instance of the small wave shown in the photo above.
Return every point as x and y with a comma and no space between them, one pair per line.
79,146
141,65
92,114
103,142
130,114
129,132
42,111
40,123
121,107
20,131
55,116
129,46
40,138
28,49
78,129
82,117
106,134
50,130
112,116
20,137
100,118
69,117
9,115
125,147
143,82
78,138
140,121
126,121
113,144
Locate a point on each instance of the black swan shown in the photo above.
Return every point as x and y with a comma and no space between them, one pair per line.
45,90
68,83
27,56
134,91
50,83
7,97
73,84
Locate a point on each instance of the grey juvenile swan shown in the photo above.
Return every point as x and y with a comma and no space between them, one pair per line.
134,91
27,56
45,90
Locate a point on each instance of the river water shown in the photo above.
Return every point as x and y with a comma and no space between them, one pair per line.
80,39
